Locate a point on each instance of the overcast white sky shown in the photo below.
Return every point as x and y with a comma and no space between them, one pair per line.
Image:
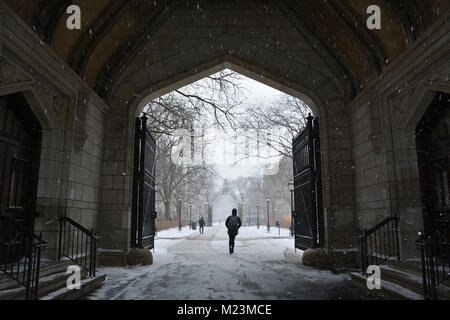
259,91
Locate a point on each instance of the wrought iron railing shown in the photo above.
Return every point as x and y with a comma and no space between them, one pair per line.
77,244
20,255
380,243
435,257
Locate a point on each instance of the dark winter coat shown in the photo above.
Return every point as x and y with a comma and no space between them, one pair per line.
201,222
230,232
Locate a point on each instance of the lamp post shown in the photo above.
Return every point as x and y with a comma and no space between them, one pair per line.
190,214
257,214
291,189
268,221
179,198
276,216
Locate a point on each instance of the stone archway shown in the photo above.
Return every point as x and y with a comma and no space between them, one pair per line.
44,112
433,152
408,175
336,158
72,138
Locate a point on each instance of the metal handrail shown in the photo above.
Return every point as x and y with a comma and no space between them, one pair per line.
20,255
78,244
380,243
435,259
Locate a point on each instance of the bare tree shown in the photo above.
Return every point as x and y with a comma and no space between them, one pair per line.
282,120
219,95
174,179
181,109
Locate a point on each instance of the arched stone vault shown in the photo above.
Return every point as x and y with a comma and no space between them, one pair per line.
214,66
113,31
181,51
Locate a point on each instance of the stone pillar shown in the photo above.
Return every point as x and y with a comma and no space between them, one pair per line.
115,209
338,193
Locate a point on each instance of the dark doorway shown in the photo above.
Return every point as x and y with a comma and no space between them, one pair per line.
20,142
433,150
308,207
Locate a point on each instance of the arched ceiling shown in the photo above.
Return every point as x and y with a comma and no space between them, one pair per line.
113,32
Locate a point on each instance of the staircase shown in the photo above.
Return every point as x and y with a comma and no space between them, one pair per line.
24,276
52,284
425,278
401,280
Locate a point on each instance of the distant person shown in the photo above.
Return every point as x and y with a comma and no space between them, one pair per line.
233,224
201,225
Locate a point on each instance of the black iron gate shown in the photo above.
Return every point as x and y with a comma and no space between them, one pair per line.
143,202
308,209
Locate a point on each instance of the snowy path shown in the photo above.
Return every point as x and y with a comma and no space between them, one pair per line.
188,266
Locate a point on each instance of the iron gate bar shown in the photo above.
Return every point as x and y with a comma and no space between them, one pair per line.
141,180
371,248
149,215
435,259
31,245
136,163
81,250
318,184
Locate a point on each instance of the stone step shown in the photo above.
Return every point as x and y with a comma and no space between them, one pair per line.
389,290
405,279
87,285
413,267
7,283
407,275
47,285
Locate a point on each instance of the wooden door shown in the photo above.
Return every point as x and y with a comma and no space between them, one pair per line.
20,137
433,149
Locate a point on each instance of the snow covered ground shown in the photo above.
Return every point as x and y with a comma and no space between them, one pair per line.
189,266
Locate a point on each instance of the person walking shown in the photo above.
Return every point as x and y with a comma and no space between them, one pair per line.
233,223
201,225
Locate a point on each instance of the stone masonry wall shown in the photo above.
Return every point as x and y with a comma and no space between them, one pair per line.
383,123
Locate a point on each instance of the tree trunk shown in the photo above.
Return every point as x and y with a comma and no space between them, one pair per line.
167,210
